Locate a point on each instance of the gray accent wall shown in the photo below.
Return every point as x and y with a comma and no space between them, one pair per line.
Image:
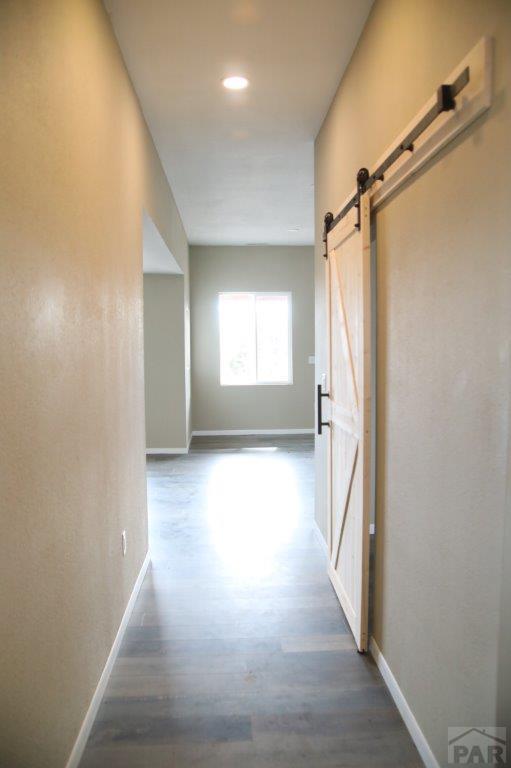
443,282
164,362
250,268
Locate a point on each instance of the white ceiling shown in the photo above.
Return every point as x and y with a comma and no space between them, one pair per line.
240,163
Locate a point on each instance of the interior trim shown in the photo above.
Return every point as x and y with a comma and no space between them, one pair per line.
212,432
403,706
88,721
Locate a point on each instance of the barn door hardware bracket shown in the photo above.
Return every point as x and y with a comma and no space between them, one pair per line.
326,223
321,423
362,178
445,99
445,102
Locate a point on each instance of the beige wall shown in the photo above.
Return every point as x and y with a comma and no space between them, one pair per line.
444,314
164,361
250,268
76,168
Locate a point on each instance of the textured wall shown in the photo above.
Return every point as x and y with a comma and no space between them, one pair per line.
444,314
164,361
250,268
77,166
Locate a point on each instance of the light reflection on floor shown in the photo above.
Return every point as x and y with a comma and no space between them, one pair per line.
237,653
253,507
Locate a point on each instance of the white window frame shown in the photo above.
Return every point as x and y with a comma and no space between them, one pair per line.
255,294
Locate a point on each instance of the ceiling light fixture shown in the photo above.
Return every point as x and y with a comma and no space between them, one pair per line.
235,83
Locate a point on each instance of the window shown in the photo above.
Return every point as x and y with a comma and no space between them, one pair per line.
255,338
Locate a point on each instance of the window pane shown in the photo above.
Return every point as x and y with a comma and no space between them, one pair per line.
272,318
237,338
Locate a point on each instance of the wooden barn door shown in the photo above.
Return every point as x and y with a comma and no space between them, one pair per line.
349,382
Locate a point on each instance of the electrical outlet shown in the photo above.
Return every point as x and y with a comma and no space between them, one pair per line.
123,543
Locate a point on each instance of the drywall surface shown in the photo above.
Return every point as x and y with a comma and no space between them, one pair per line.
164,361
443,344
251,268
76,169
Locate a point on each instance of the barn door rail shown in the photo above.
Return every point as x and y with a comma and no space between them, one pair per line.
445,102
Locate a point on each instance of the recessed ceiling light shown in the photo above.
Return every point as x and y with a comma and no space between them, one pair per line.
235,83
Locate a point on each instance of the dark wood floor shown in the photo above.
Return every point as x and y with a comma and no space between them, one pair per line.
237,654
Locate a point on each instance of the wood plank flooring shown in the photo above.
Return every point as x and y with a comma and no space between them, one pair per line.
237,654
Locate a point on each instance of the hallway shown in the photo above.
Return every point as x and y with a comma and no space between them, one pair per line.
237,653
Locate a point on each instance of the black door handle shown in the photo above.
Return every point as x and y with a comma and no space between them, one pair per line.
321,423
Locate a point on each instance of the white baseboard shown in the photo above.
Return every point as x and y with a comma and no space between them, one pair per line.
170,451
84,732
321,539
215,432
405,711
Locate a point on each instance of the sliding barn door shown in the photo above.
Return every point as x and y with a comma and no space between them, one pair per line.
349,381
